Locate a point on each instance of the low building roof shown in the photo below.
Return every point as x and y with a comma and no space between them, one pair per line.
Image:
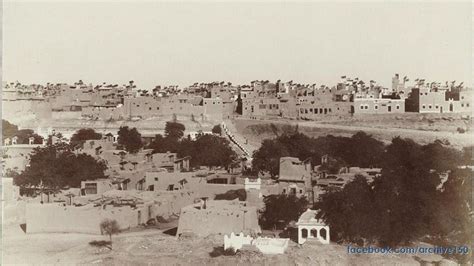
309,218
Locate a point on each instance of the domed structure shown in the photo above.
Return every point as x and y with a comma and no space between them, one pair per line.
311,228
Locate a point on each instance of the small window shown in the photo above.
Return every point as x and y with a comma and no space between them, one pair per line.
301,191
376,107
367,107
421,94
423,106
462,105
156,178
429,106
467,105
436,106
398,106
361,107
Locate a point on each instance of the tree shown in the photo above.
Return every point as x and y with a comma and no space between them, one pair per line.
55,138
405,194
109,227
57,166
331,166
8,129
213,151
217,129
84,134
267,157
453,216
24,136
174,130
282,208
349,211
163,144
406,202
239,108
130,139
365,151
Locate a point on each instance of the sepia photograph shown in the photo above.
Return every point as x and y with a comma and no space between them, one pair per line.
237,132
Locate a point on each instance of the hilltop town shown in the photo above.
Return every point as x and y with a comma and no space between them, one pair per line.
234,172
218,100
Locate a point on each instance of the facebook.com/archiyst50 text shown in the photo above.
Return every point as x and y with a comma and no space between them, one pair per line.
408,250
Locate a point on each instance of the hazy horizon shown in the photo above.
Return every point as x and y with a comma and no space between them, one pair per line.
182,43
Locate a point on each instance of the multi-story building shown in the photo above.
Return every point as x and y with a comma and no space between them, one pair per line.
378,106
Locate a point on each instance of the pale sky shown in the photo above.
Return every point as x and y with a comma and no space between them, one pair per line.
182,43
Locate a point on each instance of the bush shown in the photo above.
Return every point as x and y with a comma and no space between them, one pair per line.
217,129
232,195
220,251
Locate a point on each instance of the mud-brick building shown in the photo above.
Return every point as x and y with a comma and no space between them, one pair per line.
218,217
321,105
295,177
378,106
439,100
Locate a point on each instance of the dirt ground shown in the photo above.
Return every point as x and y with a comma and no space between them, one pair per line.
158,246
153,247
422,128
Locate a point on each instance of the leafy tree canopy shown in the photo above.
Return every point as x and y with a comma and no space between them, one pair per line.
130,139
56,166
359,150
282,209
84,134
407,202
9,130
174,130
217,129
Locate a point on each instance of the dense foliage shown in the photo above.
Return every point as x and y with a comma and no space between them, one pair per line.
407,202
359,150
206,150
174,130
57,166
84,134
10,130
217,129
130,139
282,209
